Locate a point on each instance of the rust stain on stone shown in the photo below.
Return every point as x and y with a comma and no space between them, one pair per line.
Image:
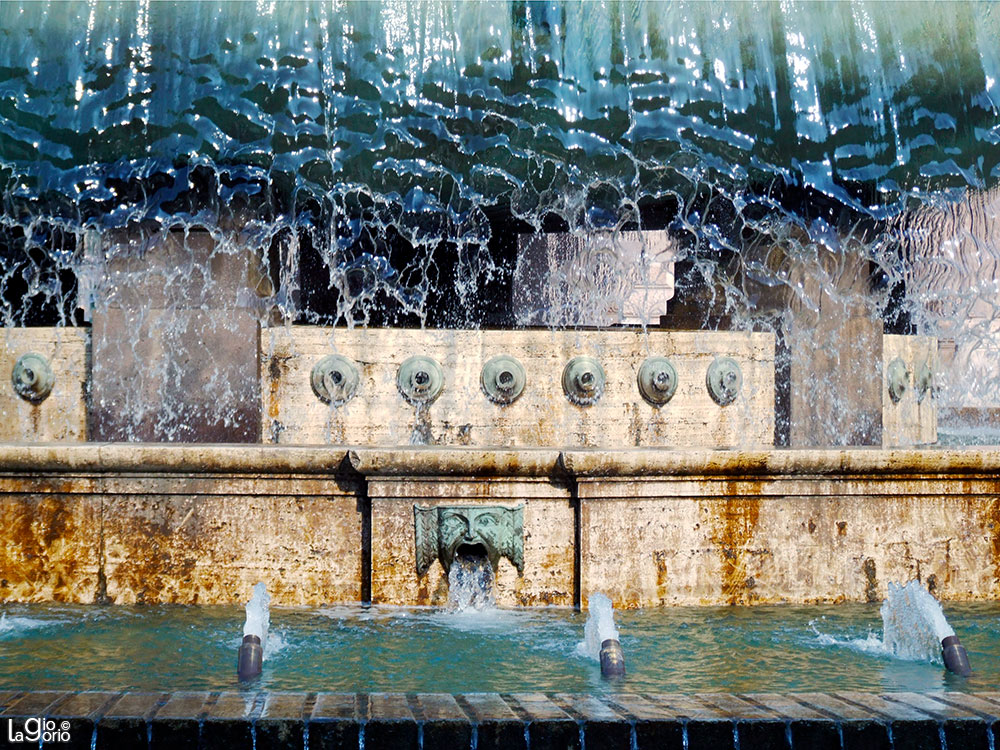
990,523
156,562
660,561
734,521
841,528
42,558
275,370
871,582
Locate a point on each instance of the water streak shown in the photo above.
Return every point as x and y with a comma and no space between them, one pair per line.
470,584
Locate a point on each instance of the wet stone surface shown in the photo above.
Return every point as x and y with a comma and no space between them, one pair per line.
398,721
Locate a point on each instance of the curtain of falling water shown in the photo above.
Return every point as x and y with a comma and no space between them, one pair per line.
368,162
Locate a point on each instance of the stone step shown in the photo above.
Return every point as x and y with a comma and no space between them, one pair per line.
397,721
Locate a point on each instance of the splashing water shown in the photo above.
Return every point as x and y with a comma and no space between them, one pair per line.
16,627
470,584
259,616
913,623
600,626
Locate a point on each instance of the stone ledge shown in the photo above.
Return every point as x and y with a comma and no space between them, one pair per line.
395,721
447,461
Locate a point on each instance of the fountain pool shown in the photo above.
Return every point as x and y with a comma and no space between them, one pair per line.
417,650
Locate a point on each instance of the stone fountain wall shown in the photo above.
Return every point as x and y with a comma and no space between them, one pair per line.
542,416
202,524
290,413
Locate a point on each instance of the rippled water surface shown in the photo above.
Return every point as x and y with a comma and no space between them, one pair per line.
348,648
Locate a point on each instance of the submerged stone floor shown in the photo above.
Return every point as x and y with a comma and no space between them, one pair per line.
481,721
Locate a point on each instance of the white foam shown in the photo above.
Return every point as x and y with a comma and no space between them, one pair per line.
913,623
259,615
600,626
15,626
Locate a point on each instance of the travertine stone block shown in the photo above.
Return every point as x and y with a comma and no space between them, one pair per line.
463,415
688,538
51,541
913,419
175,340
62,416
548,538
191,548
593,279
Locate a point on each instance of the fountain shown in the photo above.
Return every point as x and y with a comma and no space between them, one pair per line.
454,304
250,659
600,638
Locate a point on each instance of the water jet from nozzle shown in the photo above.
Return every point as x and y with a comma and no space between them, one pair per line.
250,660
600,637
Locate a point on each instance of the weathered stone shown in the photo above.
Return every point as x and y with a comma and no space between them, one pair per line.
675,534
391,724
335,722
208,548
176,725
497,727
35,703
913,419
184,523
125,722
547,725
229,721
51,543
62,416
602,726
281,723
704,725
655,726
807,726
463,415
79,713
443,722
973,703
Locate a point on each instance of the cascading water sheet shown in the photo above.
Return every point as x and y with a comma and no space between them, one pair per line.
375,160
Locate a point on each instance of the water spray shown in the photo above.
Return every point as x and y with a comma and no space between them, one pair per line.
600,638
913,626
250,660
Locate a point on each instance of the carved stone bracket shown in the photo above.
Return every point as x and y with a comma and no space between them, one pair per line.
440,532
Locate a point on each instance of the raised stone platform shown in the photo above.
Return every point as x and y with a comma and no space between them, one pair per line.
482,721
200,524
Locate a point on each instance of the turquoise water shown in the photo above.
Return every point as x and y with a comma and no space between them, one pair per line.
779,648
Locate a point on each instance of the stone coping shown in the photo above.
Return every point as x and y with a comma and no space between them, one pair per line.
133,458
377,721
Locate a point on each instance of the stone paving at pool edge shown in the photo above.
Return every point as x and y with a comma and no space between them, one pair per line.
397,721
